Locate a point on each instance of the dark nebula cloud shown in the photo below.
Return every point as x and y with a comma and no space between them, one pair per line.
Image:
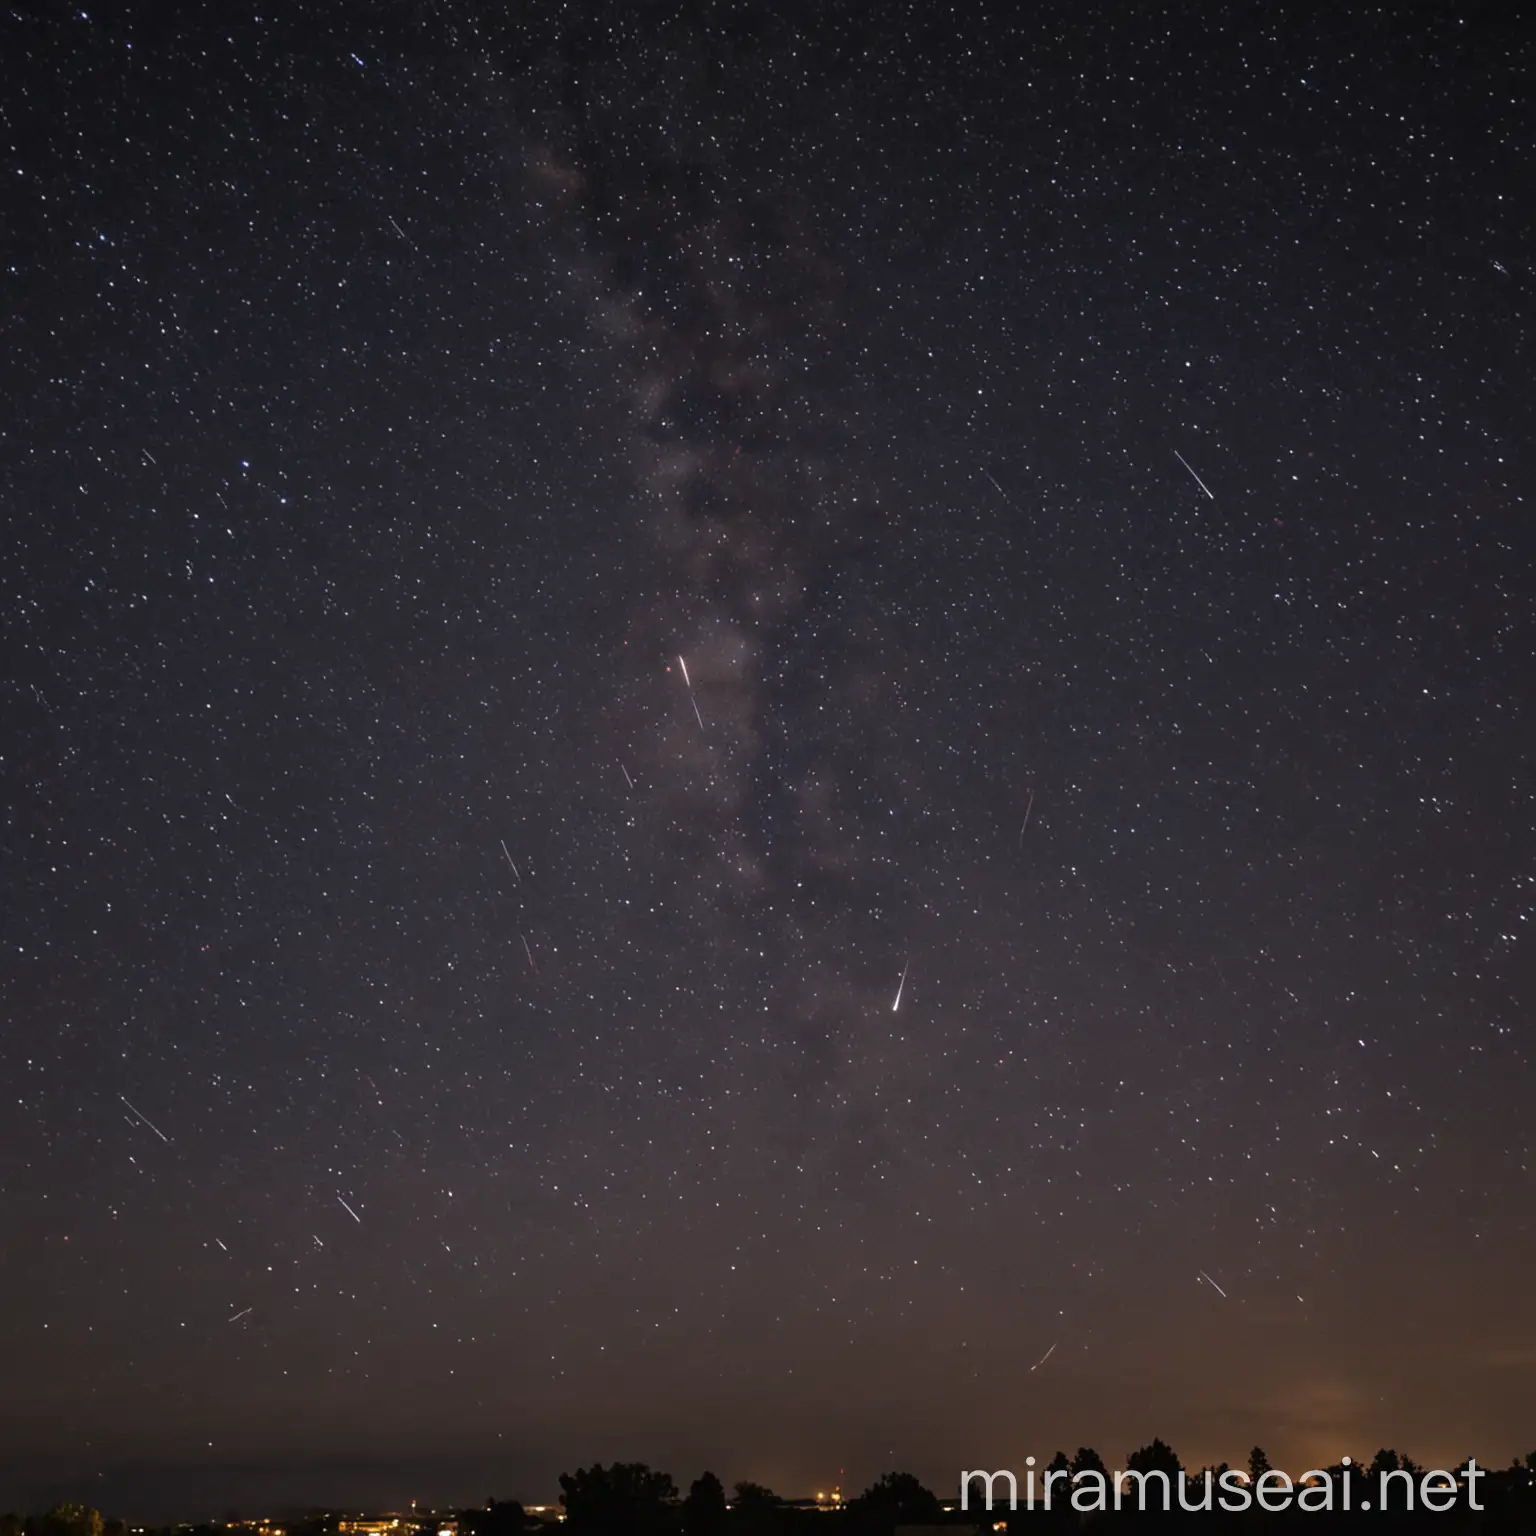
719,310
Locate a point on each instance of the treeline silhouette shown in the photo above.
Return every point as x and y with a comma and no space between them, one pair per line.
628,1497
632,1499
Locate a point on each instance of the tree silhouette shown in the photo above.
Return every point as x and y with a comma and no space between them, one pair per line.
755,1509
1088,1460
625,1499
1156,1460
1258,1464
897,1499
704,1510
1156,1457
1389,1461
755,1496
1059,1490
497,1518
503,1518
1382,1461
70,1520
1345,1474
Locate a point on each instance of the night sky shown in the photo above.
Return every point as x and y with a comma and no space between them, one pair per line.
775,737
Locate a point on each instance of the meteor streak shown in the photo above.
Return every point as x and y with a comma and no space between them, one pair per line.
147,1121
1000,491
350,1212
1198,481
901,986
238,1315
515,870
1211,1282
687,683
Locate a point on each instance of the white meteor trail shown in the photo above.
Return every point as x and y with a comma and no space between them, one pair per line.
238,1315
221,1245
532,963
1027,809
627,779
1000,491
147,1121
350,1212
901,986
688,684
1043,1358
515,870
1198,481
1211,1282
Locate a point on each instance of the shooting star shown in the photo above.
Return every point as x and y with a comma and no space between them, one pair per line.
533,964
238,1315
1211,1282
150,1123
391,218
513,862
226,1250
1027,809
627,779
1043,1358
688,684
1000,491
350,1212
901,986
1198,481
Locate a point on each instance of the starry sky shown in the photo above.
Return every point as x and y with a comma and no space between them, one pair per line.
783,737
